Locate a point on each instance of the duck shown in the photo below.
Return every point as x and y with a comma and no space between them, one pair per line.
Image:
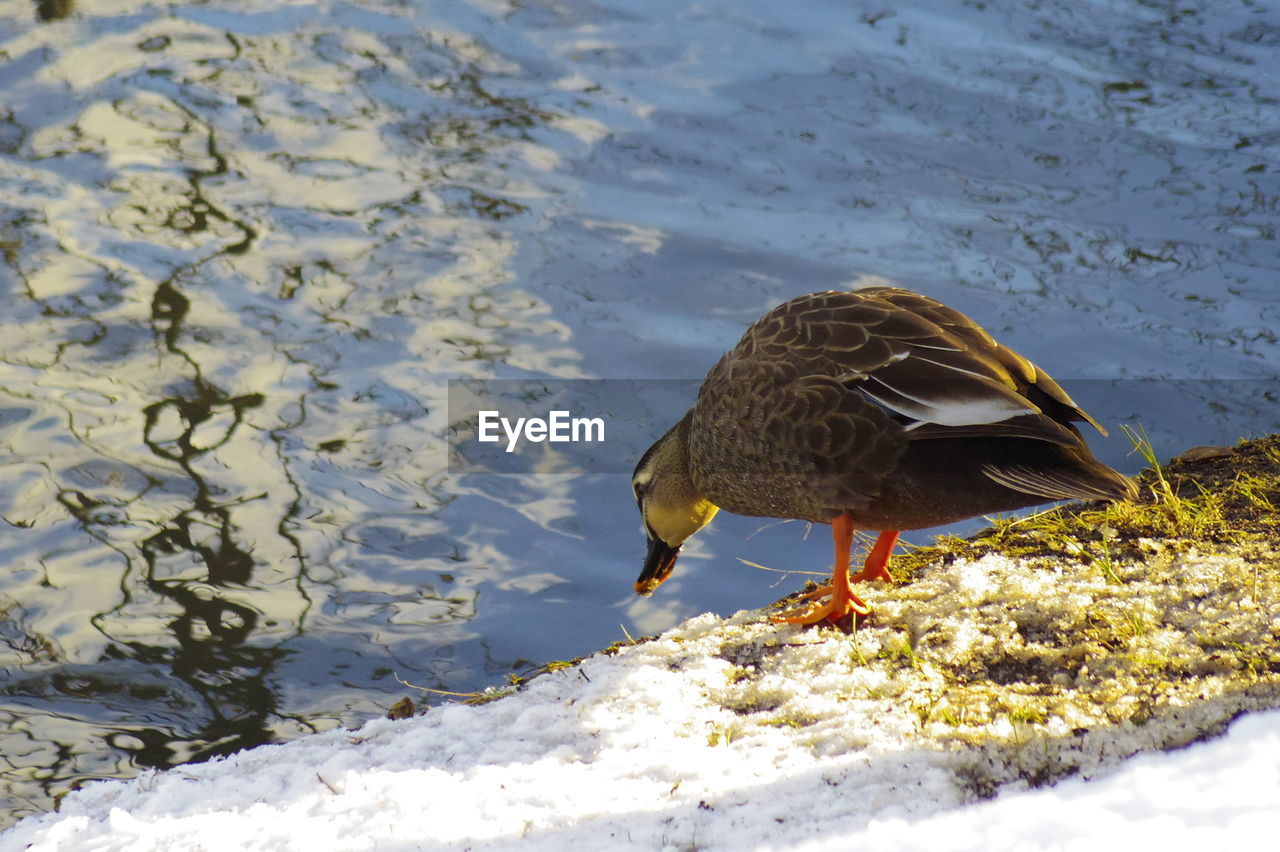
877,409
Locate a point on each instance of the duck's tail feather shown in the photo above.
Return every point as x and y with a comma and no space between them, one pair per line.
1099,482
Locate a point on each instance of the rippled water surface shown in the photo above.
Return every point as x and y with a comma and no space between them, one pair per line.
245,245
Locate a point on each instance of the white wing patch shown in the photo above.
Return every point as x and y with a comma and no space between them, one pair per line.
971,411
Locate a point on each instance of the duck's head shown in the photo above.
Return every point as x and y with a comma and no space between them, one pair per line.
671,506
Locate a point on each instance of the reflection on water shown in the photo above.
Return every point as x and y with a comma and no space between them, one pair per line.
245,247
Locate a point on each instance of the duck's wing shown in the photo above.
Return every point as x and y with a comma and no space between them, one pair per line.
935,371
1011,369
810,413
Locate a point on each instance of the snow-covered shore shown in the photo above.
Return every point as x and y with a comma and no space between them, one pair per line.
980,678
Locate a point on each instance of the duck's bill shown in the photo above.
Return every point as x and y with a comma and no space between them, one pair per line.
658,564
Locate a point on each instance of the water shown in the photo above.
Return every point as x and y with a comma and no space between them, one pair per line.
246,245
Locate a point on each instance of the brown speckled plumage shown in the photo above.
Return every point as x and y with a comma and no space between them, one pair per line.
815,412
880,407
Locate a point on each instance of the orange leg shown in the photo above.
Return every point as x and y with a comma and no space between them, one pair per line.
842,600
877,565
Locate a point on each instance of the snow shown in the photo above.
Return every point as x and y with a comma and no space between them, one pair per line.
743,734
1218,795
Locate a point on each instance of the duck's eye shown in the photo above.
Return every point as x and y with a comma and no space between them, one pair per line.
639,488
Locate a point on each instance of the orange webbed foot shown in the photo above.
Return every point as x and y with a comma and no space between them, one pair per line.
834,608
836,601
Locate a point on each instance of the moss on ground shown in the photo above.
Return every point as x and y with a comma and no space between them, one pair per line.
1203,499
1153,622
